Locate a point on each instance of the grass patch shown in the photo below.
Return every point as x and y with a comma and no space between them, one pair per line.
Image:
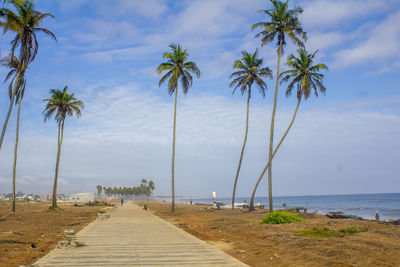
319,233
353,230
279,217
97,211
329,233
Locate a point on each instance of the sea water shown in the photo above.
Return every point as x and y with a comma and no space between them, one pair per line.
363,205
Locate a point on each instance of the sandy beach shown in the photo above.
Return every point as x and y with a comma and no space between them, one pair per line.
239,234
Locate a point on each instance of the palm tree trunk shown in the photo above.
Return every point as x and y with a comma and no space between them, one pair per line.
16,152
273,154
241,153
173,154
271,134
3,131
60,140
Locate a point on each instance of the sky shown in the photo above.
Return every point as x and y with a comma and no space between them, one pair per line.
344,142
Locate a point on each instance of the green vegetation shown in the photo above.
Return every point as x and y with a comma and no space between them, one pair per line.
329,233
250,71
279,217
352,230
61,104
177,68
145,188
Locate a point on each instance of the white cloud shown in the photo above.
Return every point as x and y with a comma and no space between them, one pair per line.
322,40
100,33
334,13
383,43
125,134
149,9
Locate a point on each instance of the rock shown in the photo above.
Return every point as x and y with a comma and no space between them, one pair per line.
103,216
63,244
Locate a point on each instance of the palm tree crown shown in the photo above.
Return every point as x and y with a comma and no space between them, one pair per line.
26,23
283,21
305,76
177,67
250,71
13,64
62,105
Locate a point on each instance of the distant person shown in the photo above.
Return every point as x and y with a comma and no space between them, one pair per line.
122,201
191,202
377,216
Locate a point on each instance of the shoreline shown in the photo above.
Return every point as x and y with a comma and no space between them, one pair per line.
358,205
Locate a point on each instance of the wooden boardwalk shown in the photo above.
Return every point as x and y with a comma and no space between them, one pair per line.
134,237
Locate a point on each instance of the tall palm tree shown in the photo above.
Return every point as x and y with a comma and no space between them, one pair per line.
20,83
61,104
250,71
305,77
283,22
25,23
177,68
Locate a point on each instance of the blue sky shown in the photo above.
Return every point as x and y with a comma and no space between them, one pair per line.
107,53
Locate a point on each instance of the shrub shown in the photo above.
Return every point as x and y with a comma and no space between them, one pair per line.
279,217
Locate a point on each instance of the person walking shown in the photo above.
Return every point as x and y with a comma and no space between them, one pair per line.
122,201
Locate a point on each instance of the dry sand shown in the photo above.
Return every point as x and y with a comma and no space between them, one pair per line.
239,234
34,230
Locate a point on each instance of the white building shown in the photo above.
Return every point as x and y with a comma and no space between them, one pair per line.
81,197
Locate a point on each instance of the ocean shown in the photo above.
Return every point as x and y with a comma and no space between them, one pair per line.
363,205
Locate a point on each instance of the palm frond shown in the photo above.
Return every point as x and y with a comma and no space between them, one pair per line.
178,69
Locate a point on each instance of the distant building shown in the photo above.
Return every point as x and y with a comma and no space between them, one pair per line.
82,197
43,198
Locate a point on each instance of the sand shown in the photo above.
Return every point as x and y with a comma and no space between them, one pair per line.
239,234
34,230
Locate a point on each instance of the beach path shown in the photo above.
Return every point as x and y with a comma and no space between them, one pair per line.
134,237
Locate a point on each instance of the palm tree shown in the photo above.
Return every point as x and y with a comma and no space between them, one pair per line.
283,22
61,104
305,77
177,68
25,23
99,189
20,83
250,71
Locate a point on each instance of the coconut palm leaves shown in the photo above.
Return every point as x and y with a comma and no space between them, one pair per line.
25,22
177,68
283,22
61,104
250,72
13,64
305,77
